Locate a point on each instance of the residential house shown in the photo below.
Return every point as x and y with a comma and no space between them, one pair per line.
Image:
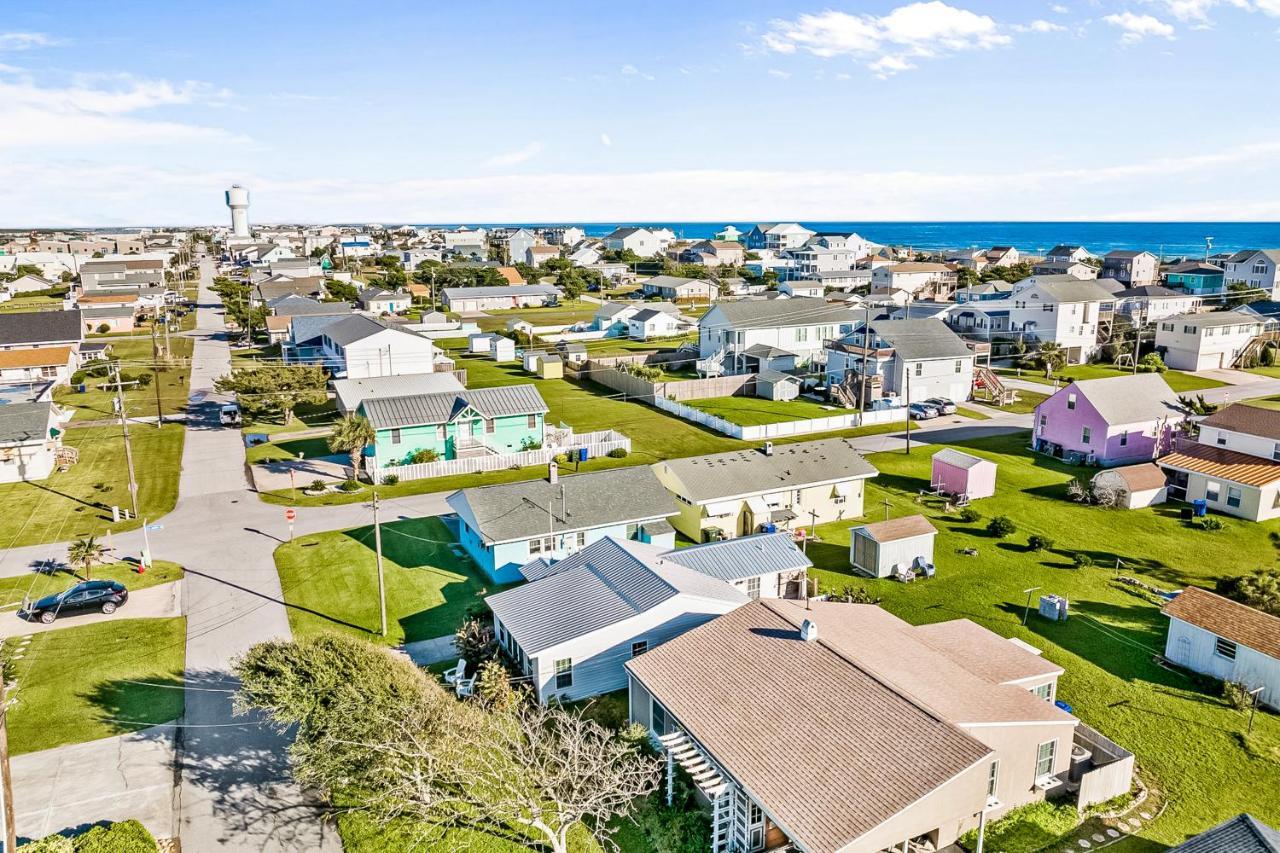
803,287
986,291
939,727
506,526
275,286
514,245
1133,269
469,299
714,253
1226,640
910,360
847,280
642,241
585,254
564,235
512,275
38,365
379,301
102,319
350,393
1067,253
1241,834
357,347
625,598
464,237
105,274
778,236
675,289
1062,309
1233,465
741,492
920,280
1119,420
1209,341
1151,302
536,256
1072,268
817,256
1002,256
278,329
1196,277
747,336
27,284
1254,268
613,318
30,438
974,259
411,258
41,329
292,305
649,323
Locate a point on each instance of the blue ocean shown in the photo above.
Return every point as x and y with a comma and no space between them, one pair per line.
1172,238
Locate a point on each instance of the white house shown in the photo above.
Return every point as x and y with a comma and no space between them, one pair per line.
357,347
38,365
1233,465
497,298
1152,302
379,301
1255,268
802,287
649,323
613,318
642,241
920,279
777,236
27,284
1208,341
1062,309
1134,269
585,254
815,257
30,437
675,289
787,330
1225,639
912,360
1068,252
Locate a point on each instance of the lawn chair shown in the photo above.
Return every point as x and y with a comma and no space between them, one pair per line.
455,675
903,574
465,687
928,570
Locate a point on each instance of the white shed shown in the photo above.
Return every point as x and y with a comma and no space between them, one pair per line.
893,547
776,385
1138,485
1225,639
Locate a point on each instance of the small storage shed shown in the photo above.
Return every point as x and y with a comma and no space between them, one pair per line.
502,349
889,548
544,365
572,351
1138,485
480,343
776,385
959,473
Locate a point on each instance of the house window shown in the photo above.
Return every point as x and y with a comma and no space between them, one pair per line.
1124,439
1044,691
753,588
564,673
958,365
441,432
1233,496
489,425
533,421
993,779
1071,401
1275,451
581,538
395,436
1224,648
1222,439
1045,753
639,647
1212,491
657,717
919,368
1044,421
1084,435
795,498
542,545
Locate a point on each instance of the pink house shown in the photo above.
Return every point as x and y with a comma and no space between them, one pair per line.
959,473
1120,420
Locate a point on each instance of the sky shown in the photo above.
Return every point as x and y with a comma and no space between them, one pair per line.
135,113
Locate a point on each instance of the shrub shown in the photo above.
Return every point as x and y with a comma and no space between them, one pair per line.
390,479
530,443
1236,695
49,844
1152,363
618,453
1081,561
424,455
969,515
1039,543
1260,590
317,486
1027,828
103,328
1001,526
475,643
349,486
1211,523
853,595
126,837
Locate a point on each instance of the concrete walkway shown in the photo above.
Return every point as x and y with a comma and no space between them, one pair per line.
154,602
435,650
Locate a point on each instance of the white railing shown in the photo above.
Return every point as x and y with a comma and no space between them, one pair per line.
596,444
784,428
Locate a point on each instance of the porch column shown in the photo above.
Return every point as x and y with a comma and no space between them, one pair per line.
671,778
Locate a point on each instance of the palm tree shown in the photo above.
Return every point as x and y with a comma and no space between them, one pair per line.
84,554
350,436
1051,357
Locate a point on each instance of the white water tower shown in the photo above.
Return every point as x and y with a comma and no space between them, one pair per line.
238,201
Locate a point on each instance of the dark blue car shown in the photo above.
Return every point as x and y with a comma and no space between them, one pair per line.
102,596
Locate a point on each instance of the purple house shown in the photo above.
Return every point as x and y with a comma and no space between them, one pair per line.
1116,421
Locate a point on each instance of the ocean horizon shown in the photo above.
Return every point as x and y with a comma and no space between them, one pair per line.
1172,239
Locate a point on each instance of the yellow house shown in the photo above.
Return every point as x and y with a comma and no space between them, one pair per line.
771,488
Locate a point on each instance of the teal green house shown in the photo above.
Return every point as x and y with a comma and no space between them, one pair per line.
1195,277
456,424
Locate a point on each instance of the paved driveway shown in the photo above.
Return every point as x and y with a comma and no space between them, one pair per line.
154,602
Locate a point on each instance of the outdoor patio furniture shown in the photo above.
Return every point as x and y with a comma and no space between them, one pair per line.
465,687
455,675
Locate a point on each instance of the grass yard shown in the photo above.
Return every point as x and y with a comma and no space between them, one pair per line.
1265,403
1026,402
1188,742
305,416
80,684
749,411
31,302
330,582
78,503
972,414
1273,372
1180,381
136,360
39,584
626,346
293,448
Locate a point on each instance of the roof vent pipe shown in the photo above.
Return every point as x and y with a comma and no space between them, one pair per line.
809,631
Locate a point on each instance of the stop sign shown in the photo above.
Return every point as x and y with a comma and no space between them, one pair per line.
290,515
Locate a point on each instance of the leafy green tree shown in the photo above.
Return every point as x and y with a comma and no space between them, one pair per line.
527,272
86,553
351,435
1260,590
1012,273
237,301
341,291
1001,526
571,281
275,388
1051,356
1238,293
966,277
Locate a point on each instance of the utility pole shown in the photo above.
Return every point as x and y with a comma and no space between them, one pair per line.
6,780
1027,611
155,373
377,542
128,449
906,370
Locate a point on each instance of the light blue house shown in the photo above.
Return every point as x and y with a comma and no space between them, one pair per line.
508,526
1196,278
456,424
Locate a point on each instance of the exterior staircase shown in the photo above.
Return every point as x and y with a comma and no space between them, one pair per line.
986,382
711,366
1251,354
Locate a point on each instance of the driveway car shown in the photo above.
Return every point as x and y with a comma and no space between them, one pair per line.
921,411
102,596
942,404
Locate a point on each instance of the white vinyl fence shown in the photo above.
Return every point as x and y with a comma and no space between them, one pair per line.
596,444
783,429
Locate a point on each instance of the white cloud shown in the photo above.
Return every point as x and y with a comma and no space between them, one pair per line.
1197,12
632,71
1059,10
1039,26
24,41
886,43
606,141
844,75
520,155
780,74
1138,27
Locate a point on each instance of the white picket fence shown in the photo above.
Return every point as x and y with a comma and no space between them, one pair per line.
783,429
596,444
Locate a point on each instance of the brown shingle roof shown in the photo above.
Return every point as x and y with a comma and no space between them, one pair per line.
511,274
1226,464
38,357
1142,477
900,528
1226,618
985,654
1253,420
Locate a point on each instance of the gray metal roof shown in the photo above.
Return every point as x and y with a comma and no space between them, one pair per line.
452,293
352,392
766,351
772,377
744,557
40,327
308,327
1241,834
921,339
765,313
357,327
1068,288
1129,399
101,311
513,511
740,473
22,423
604,584
418,409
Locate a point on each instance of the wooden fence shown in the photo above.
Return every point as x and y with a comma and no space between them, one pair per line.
596,444
1112,771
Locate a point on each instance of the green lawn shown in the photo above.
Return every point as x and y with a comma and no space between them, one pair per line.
1189,744
749,411
1026,402
31,302
136,360
79,684
565,314
972,414
1273,372
78,503
294,448
1265,403
1178,380
39,584
625,346
330,581
305,416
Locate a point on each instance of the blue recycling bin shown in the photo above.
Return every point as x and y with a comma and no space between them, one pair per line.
582,454
1201,507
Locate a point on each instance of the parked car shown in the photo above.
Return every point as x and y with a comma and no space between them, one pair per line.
921,411
942,404
104,596
229,415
